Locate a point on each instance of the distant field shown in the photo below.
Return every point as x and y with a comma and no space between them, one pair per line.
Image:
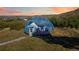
63,39
68,32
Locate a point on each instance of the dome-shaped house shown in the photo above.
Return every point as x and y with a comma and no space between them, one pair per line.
39,26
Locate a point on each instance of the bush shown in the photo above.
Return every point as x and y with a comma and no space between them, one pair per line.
13,24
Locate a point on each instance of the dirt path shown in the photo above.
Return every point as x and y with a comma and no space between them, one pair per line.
11,41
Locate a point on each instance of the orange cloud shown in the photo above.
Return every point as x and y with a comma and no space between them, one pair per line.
10,12
6,11
60,10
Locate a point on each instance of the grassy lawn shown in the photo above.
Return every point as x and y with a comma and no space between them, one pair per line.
10,35
35,43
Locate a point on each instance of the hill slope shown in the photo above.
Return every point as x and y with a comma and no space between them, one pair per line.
71,14
68,19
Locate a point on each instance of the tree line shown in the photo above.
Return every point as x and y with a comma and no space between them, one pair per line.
16,24
72,22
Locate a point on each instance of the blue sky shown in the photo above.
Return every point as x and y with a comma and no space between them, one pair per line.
41,10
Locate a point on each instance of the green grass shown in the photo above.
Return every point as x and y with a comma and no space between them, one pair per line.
10,35
34,43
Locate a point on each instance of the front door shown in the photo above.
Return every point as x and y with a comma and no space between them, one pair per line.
30,31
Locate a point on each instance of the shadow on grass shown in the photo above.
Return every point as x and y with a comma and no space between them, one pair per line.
67,42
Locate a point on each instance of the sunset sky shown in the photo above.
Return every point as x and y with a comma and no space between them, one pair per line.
28,11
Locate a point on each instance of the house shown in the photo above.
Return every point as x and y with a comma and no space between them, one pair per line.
39,26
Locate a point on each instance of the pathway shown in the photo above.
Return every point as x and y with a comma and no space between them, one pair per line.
11,41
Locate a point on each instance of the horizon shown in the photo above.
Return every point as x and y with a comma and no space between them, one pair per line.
32,11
